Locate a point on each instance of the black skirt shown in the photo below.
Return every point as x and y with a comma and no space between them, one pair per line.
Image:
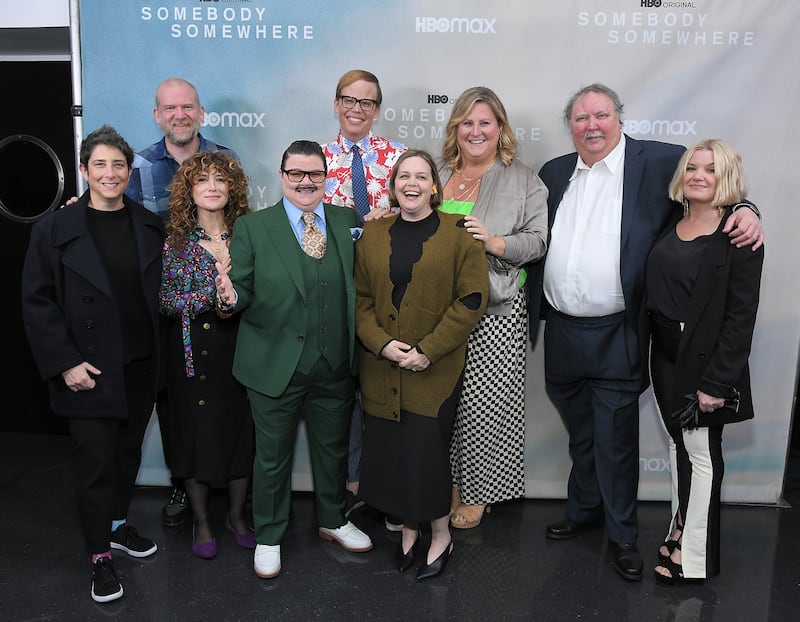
405,465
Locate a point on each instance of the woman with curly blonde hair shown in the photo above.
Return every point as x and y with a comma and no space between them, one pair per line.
211,430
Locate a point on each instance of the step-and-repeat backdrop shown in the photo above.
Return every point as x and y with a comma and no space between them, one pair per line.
267,70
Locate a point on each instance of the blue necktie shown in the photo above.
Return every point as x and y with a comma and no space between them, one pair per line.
360,195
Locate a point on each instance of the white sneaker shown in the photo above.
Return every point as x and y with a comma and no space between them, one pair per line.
267,560
349,537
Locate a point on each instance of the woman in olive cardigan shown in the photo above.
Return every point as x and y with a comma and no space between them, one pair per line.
421,287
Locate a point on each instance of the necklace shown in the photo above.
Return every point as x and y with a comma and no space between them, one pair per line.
212,237
465,181
468,190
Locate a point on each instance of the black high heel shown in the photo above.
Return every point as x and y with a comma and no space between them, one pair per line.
406,559
437,566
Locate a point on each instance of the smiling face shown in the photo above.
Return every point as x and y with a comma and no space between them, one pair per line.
178,113
700,179
478,136
304,194
356,123
595,127
210,190
107,174
413,187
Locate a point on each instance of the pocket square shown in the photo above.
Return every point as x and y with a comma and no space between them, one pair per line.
356,233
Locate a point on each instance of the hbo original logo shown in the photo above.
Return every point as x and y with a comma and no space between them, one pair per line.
438,99
651,3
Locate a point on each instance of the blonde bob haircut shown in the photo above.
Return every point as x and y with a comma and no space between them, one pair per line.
506,144
728,169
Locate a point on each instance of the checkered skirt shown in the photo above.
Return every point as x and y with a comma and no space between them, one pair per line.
488,443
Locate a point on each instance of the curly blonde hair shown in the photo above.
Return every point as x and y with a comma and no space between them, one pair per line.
182,208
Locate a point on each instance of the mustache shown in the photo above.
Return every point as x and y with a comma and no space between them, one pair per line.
595,134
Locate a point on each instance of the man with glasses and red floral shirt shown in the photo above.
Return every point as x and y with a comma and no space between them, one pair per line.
359,166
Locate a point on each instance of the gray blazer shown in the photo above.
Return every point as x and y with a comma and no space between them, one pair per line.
512,203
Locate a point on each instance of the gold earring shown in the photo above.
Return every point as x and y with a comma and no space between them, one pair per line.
434,190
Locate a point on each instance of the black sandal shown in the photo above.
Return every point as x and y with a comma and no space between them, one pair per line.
675,571
670,545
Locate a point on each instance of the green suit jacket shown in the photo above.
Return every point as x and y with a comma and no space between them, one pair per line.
272,298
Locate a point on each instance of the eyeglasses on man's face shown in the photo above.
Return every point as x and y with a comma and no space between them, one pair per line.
367,105
296,175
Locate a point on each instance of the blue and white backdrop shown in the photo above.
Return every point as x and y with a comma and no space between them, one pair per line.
266,71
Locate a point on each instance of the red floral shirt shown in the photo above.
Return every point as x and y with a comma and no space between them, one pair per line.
378,154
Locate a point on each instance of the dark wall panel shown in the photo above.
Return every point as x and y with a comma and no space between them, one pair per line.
36,102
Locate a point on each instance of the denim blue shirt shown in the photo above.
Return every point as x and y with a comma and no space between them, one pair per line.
153,170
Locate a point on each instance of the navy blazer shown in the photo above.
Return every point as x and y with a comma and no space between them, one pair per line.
69,308
646,208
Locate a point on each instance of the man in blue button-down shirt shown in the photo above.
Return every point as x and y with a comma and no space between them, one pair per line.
179,114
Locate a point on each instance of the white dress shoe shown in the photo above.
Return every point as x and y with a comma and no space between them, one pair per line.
349,537
267,560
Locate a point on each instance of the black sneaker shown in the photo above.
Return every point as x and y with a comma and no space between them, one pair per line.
125,538
177,509
105,585
352,503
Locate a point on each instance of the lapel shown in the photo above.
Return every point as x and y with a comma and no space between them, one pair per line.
78,251
631,181
560,187
149,238
280,233
339,230
708,279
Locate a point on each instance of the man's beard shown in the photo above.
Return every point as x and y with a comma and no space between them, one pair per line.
182,139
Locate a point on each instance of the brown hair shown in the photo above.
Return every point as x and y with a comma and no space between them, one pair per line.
436,197
182,208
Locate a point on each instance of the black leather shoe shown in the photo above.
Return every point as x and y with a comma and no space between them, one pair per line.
406,560
627,560
567,528
437,566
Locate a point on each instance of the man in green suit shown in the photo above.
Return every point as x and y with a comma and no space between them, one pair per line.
292,282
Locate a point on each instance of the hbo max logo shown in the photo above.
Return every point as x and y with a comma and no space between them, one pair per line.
457,25
234,119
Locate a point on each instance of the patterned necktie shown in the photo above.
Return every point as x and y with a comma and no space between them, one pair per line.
360,194
313,239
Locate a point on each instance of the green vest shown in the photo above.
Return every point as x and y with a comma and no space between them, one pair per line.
326,303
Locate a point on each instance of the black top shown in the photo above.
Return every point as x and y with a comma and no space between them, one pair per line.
672,269
407,238
112,233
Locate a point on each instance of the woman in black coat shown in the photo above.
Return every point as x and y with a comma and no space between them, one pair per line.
702,298
90,302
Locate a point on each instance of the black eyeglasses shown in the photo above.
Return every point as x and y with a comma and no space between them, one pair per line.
367,105
296,175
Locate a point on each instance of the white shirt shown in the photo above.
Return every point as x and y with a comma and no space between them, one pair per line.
581,272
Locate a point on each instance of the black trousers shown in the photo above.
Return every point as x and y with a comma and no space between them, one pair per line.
107,454
696,464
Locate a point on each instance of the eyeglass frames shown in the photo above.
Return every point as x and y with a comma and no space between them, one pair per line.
296,175
367,105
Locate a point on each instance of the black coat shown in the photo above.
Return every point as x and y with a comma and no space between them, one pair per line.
70,311
716,339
